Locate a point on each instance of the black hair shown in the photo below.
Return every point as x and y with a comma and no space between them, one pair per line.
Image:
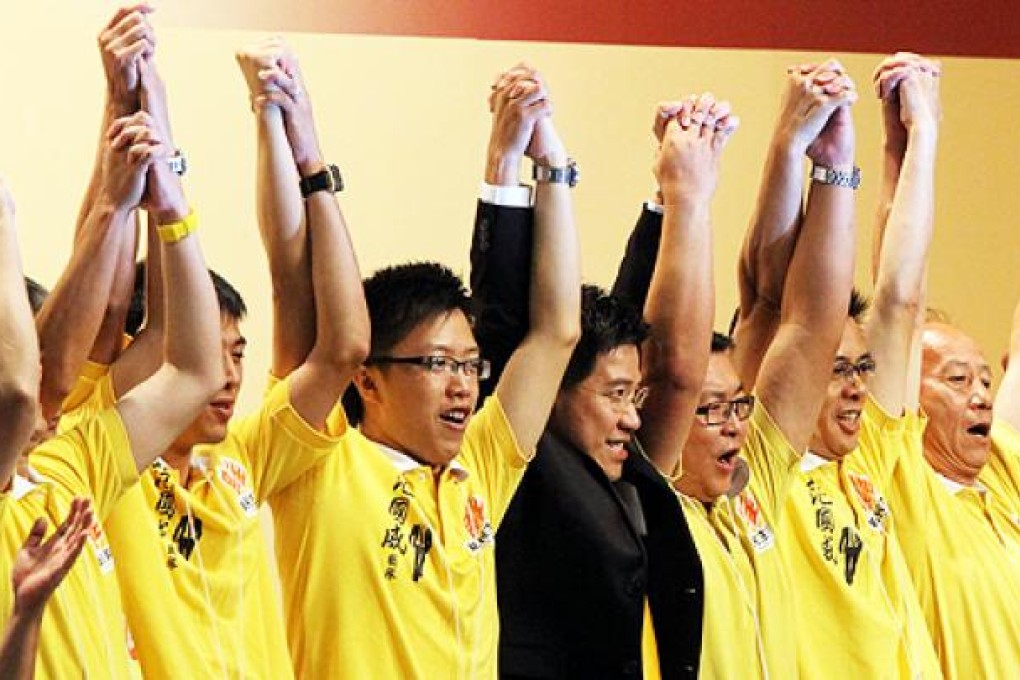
36,294
721,343
399,298
230,301
858,307
607,322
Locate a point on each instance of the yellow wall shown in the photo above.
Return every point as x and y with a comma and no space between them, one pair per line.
406,120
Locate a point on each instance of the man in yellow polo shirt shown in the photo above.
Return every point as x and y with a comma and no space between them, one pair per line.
192,561
956,503
83,631
386,551
735,518
856,610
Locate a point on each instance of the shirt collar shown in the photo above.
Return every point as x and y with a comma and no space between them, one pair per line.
954,487
811,461
20,487
404,463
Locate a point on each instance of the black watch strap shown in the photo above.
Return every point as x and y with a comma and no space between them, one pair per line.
327,179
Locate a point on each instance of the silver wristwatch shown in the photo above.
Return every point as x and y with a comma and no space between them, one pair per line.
178,163
839,178
569,175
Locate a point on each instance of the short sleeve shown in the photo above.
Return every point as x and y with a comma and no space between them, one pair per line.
490,451
771,458
92,392
278,444
882,442
93,459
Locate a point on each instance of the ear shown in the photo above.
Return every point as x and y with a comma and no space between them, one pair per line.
367,383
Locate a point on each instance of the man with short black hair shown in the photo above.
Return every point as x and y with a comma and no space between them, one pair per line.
406,509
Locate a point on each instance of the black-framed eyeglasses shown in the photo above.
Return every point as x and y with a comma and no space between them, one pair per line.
718,412
437,364
621,398
865,368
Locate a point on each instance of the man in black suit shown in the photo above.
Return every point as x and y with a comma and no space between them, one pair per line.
597,572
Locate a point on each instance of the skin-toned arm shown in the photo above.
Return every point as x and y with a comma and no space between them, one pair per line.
341,341
1007,399
681,298
39,567
84,315
798,363
281,211
19,349
531,380
775,224
159,408
908,86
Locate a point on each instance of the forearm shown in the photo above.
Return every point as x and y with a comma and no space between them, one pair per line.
556,270
770,241
20,645
95,179
69,321
680,310
899,285
19,353
283,227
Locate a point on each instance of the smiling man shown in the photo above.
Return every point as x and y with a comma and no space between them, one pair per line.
857,610
595,533
386,551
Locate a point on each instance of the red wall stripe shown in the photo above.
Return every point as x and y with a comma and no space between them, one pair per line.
990,28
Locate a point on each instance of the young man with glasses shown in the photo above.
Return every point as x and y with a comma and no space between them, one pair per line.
598,576
386,551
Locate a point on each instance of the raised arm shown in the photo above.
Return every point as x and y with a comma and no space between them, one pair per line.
775,224
281,211
531,380
502,241
38,569
159,408
681,299
341,331
798,363
908,87
1007,399
84,315
19,350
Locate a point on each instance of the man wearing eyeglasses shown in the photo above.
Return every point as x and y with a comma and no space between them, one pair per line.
386,551
734,516
856,613
597,572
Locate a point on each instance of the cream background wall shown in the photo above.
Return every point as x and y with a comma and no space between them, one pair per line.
406,120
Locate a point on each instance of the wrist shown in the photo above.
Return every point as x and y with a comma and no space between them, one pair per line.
171,211
502,169
310,165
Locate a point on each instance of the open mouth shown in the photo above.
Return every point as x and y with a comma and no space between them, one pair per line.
728,459
982,430
849,420
455,417
618,448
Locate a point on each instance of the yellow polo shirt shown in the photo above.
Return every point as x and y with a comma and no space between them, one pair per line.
962,546
92,392
387,566
747,630
83,631
857,615
198,584
1001,473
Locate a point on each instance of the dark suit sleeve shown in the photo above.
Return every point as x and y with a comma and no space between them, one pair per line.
501,249
635,274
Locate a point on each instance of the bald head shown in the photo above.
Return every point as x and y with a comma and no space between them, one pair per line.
956,394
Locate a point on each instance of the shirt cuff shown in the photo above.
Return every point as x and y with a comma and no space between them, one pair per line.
652,206
506,196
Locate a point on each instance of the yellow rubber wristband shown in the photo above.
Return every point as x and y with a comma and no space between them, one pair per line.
175,231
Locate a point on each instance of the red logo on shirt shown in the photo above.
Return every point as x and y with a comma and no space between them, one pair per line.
479,528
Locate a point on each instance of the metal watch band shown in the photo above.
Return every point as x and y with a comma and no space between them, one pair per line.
839,178
327,179
569,174
178,163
